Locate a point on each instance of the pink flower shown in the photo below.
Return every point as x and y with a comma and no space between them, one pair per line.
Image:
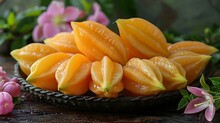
56,19
3,75
6,104
204,101
1,85
98,15
12,88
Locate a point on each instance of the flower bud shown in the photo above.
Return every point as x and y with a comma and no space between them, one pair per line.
12,88
6,104
1,85
15,79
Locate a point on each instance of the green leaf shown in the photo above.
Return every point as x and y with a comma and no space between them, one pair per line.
217,104
107,7
86,5
16,100
203,83
26,24
183,102
36,11
5,37
191,97
216,89
215,58
11,19
31,12
215,80
18,43
76,3
45,2
3,24
184,92
125,9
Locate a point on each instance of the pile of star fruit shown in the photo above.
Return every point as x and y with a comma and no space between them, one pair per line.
139,61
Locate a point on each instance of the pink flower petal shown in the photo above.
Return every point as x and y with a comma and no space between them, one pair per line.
71,14
6,104
3,74
96,7
103,19
44,18
37,34
12,88
50,30
197,91
65,28
191,109
1,85
98,15
56,8
210,112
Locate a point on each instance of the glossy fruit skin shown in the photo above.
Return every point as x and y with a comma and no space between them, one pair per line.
106,78
173,73
43,72
142,38
73,76
30,53
95,41
142,77
63,42
193,63
194,46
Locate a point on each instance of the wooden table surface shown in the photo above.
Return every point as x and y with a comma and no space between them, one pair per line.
32,110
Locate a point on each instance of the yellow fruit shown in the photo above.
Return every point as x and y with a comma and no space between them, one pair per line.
106,78
194,46
27,55
63,42
73,76
193,63
142,77
96,41
43,71
143,39
173,73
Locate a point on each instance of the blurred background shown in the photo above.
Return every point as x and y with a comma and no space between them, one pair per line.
184,16
178,19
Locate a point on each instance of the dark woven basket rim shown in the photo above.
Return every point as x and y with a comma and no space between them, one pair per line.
93,102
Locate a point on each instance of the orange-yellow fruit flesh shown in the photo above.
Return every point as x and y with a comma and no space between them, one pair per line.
142,77
43,72
143,39
106,78
193,63
96,41
27,55
73,76
172,72
194,46
63,42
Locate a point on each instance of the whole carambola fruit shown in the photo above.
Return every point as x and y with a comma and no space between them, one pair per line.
30,53
73,75
142,77
194,46
173,73
43,71
95,41
63,42
106,78
193,63
142,38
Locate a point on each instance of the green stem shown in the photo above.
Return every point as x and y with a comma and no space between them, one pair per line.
211,92
216,98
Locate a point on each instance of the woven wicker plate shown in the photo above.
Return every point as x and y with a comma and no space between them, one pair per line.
90,102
